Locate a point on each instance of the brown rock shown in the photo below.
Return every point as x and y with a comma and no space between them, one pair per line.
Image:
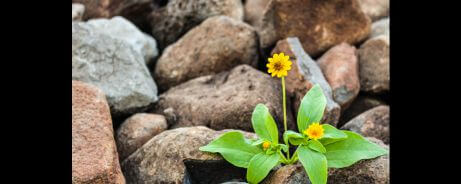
320,25
374,64
359,105
289,174
137,130
371,123
94,155
260,14
340,67
303,75
218,44
169,22
222,101
375,9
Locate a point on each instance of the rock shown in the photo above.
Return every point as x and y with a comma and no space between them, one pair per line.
375,9
218,44
371,123
171,20
77,11
97,8
113,66
289,174
120,28
361,104
340,67
94,155
380,27
253,10
320,25
374,65
260,14
137,130
165,157
222,101
303,75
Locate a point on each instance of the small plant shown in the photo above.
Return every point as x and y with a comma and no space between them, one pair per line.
319,146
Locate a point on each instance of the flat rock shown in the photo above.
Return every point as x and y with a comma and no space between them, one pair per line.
137,130
94,154
380,27
340,67
171,20
374,65
113,66
375,9
218,44
371,123
77,11
304,74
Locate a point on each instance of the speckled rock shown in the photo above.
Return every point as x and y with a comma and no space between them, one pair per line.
380,27
170,21
371,123
361,104
218,44
374,65
375,9
340,67
304,74
94,155
136,131
77,11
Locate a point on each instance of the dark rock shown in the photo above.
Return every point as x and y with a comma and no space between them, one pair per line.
371,123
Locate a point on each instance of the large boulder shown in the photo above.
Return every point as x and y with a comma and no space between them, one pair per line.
374,65
371,123
218,44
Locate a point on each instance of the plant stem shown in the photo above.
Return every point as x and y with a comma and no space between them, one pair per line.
285,114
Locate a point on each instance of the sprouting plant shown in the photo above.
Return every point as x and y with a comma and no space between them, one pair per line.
319,146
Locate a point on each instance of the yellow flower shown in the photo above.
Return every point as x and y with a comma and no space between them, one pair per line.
279,65
315,131
266,145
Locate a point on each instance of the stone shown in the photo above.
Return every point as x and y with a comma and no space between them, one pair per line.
380,27
371,123
341,69
304,74
218,44
137,130
374,65
375,9
120,28
113,66
222,101
260,14
165,158
361,104
77,11
171,20
289,174
320,25
94,154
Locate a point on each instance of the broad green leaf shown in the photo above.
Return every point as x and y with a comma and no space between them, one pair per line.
332,132
260,165
316,145
234,148
314,163
295,138
327,141
348,151
264,125
311,108
257,142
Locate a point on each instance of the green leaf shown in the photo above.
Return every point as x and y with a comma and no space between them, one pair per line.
234,148
295,138
264,125
332,132
314,163
311,108
257,142
316,145
260,165
348,151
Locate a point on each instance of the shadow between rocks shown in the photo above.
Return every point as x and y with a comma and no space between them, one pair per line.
212,172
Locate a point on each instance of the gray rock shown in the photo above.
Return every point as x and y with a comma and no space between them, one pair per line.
374,65
375,9
359,105
380,27
77,11
115,67
371,123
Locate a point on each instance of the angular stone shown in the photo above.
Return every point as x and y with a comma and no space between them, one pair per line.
77,11
260,14
170,21
361,104
320,25
340,67
304,74
113,66
375,9
374,65
137,130
380,27
94,155
218,44
371,123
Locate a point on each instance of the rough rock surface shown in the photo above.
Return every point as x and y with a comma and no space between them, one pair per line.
361,104
289,174
137,130
260,14
380,27
94,155
374,64
340,67
113,66
218,44
170,21
371,123
375,9
77,11
304,74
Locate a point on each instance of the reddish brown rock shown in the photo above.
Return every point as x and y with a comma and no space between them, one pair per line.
374,64
137,130
375,9
303,75
361,104
94,154
218,44
371,123
340,67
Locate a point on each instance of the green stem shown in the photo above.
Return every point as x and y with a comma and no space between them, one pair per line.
285,114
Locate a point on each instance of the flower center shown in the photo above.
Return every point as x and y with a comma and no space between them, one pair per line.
266,145
278,66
